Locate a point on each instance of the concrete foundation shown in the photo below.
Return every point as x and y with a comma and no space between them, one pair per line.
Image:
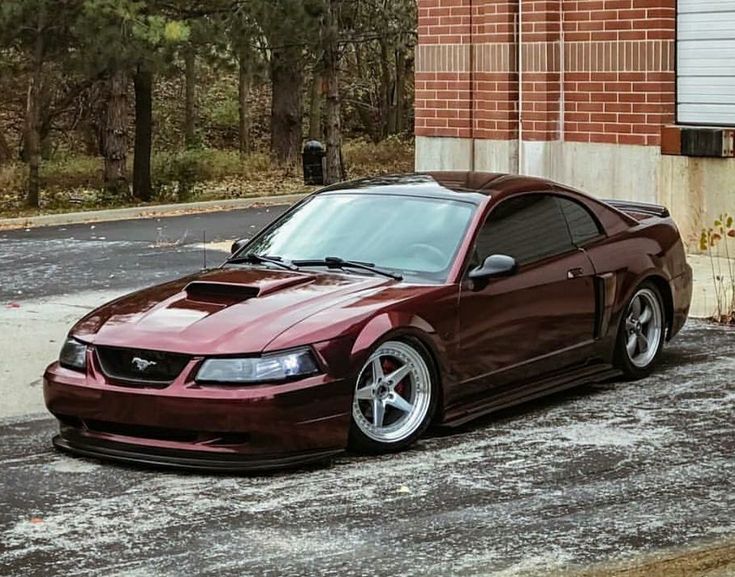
696,190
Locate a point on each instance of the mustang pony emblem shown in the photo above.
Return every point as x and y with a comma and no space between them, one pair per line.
142,365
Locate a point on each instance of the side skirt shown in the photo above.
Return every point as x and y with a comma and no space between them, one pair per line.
547,386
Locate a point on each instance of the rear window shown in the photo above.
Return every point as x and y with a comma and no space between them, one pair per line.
582,225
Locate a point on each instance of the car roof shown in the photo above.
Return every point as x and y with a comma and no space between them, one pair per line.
457,185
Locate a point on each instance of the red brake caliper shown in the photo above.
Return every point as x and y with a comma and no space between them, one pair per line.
400,387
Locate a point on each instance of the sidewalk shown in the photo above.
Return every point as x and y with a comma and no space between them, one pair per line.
149,211
704,300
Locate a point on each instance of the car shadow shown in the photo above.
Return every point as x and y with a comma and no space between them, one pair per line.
670,359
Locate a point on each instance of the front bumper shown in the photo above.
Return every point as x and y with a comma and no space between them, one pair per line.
72,441
188,426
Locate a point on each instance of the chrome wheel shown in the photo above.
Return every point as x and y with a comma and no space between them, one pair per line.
643,328
392,394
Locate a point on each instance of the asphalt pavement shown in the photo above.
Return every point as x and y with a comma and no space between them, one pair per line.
42,262
601,474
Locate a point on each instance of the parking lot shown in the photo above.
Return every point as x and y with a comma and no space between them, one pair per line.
572,485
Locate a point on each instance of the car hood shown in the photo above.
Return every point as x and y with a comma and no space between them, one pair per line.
225,311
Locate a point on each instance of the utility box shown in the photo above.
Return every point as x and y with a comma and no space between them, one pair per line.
711,142
315,162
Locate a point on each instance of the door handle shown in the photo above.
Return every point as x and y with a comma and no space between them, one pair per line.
575,272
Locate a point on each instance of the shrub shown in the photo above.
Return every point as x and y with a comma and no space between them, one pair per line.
201,173
390,156
718,237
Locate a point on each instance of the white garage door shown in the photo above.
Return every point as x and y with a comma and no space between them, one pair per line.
706,62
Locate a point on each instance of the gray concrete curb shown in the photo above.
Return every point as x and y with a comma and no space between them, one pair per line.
151,211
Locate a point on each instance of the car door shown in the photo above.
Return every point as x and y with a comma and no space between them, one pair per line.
537,320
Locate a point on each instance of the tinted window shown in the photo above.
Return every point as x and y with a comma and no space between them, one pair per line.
528,228
582,224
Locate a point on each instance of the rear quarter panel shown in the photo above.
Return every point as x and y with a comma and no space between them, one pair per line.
651,249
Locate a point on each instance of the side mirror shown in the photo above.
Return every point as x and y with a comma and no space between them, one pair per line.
238,244
496,265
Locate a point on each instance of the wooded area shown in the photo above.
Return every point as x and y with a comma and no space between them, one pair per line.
124,80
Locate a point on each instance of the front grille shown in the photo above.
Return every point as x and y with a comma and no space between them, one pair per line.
212,439
135,366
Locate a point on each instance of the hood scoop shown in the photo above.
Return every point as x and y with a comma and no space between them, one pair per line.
220,292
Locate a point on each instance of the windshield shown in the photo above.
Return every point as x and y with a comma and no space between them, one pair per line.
414,236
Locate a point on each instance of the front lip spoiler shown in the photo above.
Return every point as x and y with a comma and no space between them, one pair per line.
186,460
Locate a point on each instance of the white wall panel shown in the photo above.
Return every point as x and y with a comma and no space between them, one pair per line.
706,62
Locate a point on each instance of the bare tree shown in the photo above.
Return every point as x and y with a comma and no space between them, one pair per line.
143,83
33,110
115,133
330,35
189,97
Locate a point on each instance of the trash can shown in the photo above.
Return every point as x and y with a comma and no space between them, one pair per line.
314,158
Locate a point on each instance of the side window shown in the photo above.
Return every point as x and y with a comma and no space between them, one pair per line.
582,224
528,228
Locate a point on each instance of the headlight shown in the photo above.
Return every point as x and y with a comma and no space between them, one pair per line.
73,355
272,367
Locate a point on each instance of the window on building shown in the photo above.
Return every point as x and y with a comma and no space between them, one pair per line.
706,62
528,228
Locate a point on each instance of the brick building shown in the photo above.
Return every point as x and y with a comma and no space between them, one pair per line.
606,95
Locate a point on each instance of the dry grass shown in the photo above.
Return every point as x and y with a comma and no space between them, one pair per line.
713,560
75,183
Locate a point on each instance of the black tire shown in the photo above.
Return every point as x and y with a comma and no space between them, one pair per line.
363,442
637,366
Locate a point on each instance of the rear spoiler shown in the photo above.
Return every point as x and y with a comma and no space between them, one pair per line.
639,210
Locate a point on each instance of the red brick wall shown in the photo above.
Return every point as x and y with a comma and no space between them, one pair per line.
495,78
443,69
617,62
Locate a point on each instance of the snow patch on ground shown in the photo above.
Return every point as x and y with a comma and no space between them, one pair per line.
69,465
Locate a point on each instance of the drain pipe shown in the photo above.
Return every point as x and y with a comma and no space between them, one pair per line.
472,86
562,74
519,63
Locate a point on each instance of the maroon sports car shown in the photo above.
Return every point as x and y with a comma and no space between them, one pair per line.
367,312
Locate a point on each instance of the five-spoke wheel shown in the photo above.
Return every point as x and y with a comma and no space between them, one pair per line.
394,398
641,333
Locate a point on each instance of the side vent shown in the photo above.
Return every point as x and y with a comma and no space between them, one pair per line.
220,291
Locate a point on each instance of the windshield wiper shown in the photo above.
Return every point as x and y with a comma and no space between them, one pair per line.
336,262
253,258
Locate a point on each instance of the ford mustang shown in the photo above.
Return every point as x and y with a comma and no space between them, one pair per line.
367,312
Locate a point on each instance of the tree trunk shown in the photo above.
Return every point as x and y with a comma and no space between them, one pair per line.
33,113
386,90
91,122
5,152
115,134
143,132
90,137
190,98
244,86
400,89
331,72
315,106
364,107
287,80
